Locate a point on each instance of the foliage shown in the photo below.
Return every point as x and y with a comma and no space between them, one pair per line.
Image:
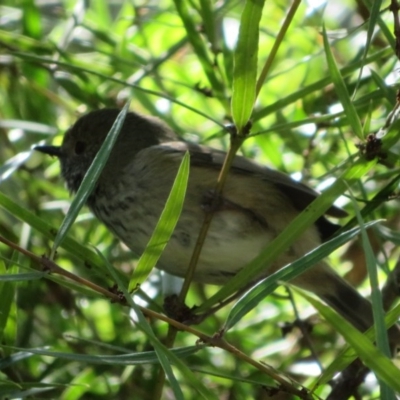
314,80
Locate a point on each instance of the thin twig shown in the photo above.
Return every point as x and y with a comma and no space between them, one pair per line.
236,142
277,43
51,267
237,139
303,329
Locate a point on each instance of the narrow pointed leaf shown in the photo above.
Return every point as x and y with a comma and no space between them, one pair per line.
165,226
90,178
245,64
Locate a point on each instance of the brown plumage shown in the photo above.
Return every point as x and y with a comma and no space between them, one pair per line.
256,205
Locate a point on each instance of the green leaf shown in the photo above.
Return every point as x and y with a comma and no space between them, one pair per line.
165,226
132,358
209,19
199,47
11,165
22,277
376,299
165,356
14,358
8,308
259,292
296,228
300,94
348,355
341,90
90,178
245,64
373,358
376,295
71,245
32,25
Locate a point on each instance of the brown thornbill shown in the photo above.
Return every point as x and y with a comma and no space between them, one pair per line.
256,205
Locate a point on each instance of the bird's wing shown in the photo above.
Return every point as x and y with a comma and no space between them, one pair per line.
206,157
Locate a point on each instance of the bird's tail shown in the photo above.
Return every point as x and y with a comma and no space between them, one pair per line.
343,298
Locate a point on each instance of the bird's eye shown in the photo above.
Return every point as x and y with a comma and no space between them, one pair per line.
80,147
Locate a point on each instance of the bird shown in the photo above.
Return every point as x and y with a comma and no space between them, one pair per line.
256,205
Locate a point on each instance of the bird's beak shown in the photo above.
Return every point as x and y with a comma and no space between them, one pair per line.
50,150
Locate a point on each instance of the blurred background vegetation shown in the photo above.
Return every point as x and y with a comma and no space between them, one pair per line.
174,59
